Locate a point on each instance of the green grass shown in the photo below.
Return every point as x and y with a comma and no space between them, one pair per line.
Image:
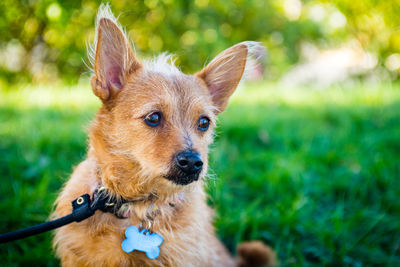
314,173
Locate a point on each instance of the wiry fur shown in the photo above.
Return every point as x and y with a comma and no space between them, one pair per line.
163,63
132,159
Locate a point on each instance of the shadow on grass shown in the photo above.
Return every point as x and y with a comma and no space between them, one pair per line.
320,184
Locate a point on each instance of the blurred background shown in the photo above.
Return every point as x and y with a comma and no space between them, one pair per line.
307,157
45,41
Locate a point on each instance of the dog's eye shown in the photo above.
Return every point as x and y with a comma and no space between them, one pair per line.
153,119
203,124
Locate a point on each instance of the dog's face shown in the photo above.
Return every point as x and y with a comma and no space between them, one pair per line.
165,124
156,123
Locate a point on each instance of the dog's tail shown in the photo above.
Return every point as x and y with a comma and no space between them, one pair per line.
255,254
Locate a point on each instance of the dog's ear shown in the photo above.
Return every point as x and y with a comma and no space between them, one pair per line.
223,73
114,59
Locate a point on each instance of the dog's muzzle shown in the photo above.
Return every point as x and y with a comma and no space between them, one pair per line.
187,166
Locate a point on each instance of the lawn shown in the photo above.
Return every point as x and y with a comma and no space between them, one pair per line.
313,172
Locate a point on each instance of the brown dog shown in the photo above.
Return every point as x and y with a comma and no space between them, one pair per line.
149,144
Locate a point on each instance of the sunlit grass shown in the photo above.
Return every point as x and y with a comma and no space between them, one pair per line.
313,172
76,97
81,96
374,94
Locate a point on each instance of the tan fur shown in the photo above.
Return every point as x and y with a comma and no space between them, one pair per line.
131,159
255,254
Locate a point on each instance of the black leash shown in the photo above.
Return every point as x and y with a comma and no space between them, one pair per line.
82,208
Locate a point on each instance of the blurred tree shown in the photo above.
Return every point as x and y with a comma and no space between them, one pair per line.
375,24
43,41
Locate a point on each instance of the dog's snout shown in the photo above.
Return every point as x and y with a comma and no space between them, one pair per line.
187,167
189,162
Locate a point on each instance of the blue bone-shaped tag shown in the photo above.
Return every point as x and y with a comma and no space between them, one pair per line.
142,241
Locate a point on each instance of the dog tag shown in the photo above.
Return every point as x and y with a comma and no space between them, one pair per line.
142,241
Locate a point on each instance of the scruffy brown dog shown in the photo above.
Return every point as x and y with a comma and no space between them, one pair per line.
148,145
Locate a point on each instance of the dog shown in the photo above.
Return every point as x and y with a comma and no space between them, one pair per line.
148,144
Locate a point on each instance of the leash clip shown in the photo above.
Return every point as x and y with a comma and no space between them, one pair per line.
81,208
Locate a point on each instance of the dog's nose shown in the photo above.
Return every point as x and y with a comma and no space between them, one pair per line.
189,162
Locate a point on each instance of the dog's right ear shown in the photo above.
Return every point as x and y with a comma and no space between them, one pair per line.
113,57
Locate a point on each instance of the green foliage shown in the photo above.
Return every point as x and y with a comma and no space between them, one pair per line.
374,24
313,173
41,41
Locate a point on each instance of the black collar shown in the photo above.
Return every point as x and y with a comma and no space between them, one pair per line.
106,201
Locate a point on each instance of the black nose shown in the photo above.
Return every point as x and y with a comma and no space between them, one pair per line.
189,162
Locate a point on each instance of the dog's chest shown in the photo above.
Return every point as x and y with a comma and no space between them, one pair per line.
184,240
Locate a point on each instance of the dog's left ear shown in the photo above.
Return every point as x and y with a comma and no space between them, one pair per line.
223,74
114,59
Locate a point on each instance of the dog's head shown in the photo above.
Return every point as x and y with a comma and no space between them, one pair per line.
155,125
